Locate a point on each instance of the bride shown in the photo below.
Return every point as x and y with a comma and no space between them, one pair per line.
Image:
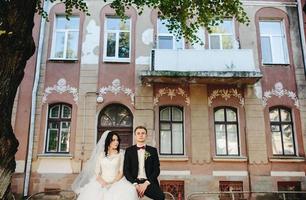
102,178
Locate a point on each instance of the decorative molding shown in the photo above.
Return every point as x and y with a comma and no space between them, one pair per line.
171,93
279,91
115,88
60,88
225,94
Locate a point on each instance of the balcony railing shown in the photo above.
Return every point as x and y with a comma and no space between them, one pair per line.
231,66
192,60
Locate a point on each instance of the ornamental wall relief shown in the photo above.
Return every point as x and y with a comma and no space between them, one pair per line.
171,93
279,92
61,87
115,88
225,94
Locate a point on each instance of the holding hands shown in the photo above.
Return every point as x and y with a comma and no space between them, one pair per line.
141,188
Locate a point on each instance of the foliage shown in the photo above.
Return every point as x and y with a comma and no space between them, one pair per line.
184,17
69,6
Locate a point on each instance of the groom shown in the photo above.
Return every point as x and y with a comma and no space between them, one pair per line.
141,166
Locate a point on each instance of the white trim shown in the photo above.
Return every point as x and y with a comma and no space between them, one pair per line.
230,173
230,158
175,173
302,28
233,34
66,32
287,173
116,32
173,158
284,44
174,47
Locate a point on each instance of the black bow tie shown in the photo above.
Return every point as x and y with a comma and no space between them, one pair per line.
143,147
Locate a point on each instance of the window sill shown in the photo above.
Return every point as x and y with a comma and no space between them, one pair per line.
230,159
116,60
54,155
275,64
173,158
286,159
62,60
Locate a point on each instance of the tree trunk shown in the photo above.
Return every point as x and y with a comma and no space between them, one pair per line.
16,47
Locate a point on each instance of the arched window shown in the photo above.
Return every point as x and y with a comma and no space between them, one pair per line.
117,118
282,131
226,131
58,128
171,130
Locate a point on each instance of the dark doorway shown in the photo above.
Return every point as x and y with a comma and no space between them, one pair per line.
117,118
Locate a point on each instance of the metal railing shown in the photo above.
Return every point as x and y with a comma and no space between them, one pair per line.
230,195
70,195
169,196
248,195
59,194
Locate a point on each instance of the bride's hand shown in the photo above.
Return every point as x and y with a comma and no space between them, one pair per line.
102,182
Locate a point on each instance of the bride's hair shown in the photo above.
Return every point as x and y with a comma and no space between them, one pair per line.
109,139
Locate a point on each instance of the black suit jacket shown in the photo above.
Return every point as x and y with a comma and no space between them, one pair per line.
130,169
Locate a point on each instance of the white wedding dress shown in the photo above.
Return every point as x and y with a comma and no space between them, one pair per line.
108,168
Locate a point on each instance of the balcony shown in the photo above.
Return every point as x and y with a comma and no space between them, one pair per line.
231,66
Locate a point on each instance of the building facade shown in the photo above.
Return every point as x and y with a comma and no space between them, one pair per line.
227,115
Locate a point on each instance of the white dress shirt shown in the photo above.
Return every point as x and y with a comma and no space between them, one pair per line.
141,164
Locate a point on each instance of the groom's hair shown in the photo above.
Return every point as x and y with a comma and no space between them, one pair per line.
140,127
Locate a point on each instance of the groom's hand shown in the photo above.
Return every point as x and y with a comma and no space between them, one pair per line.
142,188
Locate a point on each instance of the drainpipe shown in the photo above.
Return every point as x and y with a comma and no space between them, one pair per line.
302,33
33,106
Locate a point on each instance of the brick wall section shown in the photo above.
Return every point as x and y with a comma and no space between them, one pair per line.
200,139
303,120
255,131
144,113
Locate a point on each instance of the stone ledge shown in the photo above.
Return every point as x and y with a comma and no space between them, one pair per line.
230,159
173,158
286,159
54,155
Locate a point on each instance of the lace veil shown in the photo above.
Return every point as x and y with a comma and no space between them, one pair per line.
88,171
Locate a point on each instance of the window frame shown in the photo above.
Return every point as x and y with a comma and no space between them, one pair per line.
225,123
283,35
174,47
59,121
66,31
280,123
117,33
171,122
220,35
